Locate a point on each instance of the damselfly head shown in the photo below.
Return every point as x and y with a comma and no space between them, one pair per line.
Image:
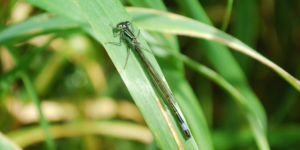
120,25
128,23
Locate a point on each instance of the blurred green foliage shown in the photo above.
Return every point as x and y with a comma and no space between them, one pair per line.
61,65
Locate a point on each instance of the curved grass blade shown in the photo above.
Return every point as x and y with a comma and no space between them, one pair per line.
222,59
116,129
249,111
43,122
172,23
34,26
7,144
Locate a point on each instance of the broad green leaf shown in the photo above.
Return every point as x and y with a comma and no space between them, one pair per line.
154,4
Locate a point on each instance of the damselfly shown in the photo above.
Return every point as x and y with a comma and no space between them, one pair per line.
162,88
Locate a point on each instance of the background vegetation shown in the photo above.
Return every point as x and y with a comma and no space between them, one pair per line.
61,88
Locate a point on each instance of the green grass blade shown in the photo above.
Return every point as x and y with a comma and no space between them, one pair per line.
285,107
43,122
18,71
174,73
277,137
223,60
249,111
171,23
227,15
154,4
34,26
66,9
152,146
245,30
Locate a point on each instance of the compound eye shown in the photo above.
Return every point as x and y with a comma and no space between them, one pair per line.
119,25
128,23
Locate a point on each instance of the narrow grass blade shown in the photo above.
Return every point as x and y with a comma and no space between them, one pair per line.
245,30
227,15
34,26
248,109
174,72
18,71
223,60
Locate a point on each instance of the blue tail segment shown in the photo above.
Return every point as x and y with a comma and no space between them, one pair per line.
185,130
183,126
